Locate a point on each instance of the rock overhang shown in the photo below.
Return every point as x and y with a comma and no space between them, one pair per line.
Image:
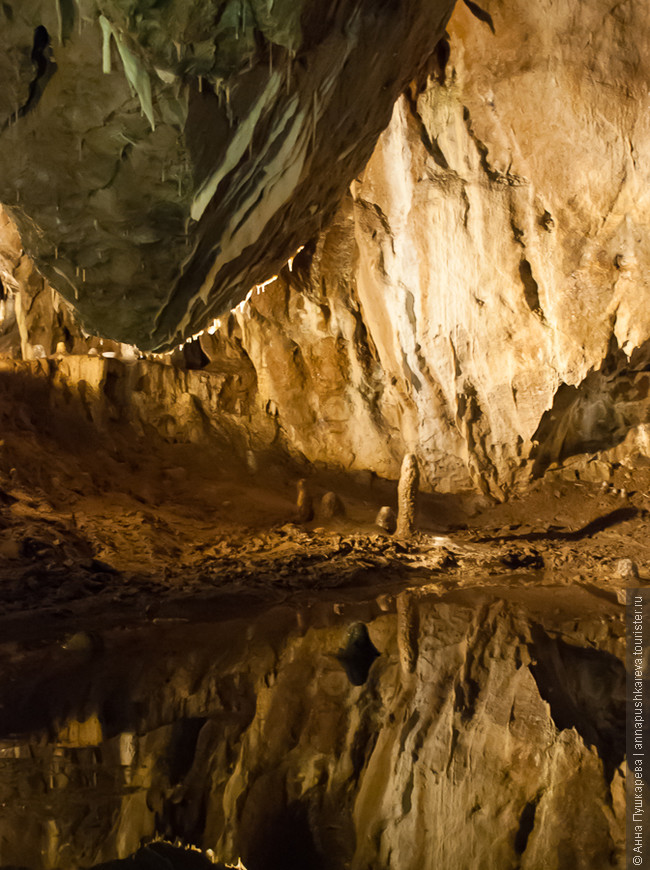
162,159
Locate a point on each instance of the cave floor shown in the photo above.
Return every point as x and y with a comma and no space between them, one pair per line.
103,526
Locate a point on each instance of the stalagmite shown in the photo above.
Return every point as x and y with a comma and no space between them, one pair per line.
251,462
407,492
304,503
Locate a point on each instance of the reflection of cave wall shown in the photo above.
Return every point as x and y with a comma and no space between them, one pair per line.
585,690
247,737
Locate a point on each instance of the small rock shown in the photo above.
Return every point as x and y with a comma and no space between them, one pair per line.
289,529
626,570
385,602
386,519
331,506
82,642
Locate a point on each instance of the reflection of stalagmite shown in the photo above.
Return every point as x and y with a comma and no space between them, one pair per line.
304,503
407,492
408,628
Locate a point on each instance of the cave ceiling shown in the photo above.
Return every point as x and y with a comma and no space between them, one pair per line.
162,158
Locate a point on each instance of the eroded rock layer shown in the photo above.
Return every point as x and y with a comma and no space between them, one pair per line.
159,160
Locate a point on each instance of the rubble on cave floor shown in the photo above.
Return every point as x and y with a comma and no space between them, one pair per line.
153,532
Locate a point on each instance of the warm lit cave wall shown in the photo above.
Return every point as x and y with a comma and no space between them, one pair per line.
480,291
492,255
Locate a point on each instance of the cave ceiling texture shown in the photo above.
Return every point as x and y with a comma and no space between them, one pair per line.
161,158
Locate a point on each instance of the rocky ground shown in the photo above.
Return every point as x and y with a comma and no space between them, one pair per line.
101,524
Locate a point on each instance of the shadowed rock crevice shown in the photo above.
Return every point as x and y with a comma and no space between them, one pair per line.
480,13
286,840
531,288
597,414
526,825
41,56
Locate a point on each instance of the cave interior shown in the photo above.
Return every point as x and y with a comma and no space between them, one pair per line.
325,431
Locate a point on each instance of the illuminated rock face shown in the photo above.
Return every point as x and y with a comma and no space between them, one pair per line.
479,293
160,159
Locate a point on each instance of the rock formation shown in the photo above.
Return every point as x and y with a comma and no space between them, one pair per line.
407,495
331,506
480,294
304,503
386,519
477,295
